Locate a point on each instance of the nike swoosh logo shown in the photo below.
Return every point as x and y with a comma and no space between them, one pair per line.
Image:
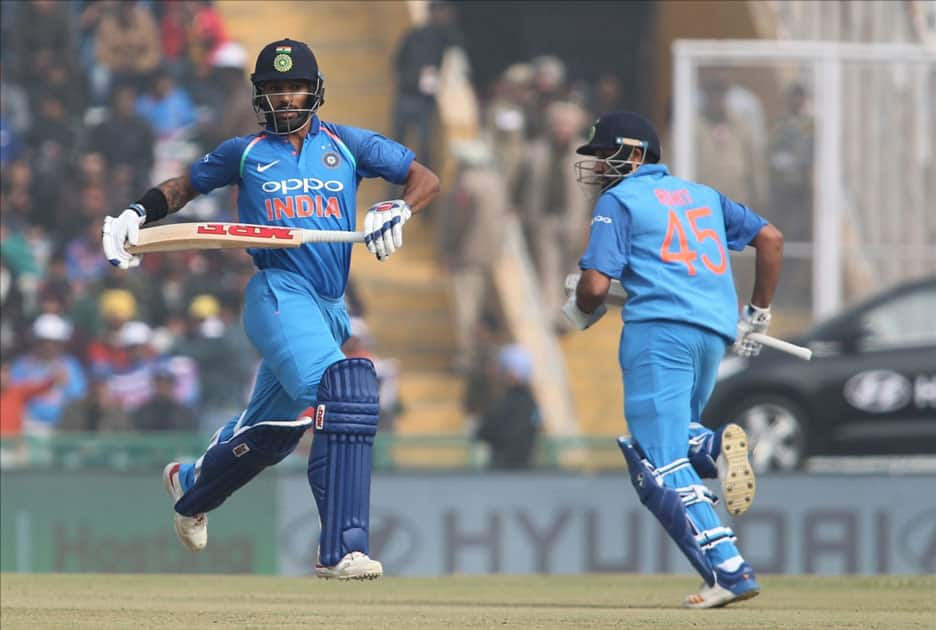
263,167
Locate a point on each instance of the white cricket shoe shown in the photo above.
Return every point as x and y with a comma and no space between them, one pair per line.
729,587
737,475
191,530
354,566
716,597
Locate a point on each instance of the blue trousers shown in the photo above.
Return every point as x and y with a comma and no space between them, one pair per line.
669,372
298,335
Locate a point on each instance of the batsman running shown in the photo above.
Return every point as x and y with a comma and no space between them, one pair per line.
666,239
303,172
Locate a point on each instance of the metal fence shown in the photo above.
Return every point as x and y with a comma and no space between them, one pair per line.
833,142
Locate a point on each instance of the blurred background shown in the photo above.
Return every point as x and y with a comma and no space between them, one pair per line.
497,421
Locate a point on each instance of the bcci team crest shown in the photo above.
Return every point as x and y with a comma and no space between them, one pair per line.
282,62
331,159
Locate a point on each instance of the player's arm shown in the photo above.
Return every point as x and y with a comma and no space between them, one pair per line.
383,223
421,186
219,168
592,290
166,198
769,245
605,257
745,228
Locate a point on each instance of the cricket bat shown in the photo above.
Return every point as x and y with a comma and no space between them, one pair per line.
617,295
182,236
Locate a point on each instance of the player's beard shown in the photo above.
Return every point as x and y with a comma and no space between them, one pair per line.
290,120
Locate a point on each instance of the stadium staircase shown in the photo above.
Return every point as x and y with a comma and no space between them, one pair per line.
407,299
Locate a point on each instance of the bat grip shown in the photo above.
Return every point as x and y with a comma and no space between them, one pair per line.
781,345
331,236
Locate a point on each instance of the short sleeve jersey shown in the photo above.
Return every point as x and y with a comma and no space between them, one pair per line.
666,240
315,189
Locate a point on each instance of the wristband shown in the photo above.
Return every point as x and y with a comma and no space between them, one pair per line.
155,205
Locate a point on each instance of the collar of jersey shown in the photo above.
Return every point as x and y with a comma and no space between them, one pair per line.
651,169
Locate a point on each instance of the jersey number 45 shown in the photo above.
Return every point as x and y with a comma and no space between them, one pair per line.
685,254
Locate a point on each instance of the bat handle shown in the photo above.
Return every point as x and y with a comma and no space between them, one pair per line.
781,345
331,236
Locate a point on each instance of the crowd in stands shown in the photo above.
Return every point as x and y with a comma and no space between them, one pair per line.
101,100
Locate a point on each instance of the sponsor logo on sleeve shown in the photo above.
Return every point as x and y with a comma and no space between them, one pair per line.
599,218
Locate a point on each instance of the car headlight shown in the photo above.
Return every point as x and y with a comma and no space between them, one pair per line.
730,366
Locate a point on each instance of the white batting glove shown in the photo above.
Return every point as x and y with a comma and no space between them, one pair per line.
120,231
580,318
383,227
753,319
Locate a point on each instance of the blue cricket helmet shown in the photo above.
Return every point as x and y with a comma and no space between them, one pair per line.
286,60
615,130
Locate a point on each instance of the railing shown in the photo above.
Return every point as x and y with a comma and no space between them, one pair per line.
149,452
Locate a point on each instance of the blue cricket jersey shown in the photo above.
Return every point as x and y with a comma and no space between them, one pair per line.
664,239
316,189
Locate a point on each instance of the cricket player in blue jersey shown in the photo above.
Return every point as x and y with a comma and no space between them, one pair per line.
303,172
666,240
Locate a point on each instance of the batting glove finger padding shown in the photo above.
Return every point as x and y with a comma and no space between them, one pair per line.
753,319
383,227
117,233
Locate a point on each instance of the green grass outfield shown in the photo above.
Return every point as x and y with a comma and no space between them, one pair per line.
589,601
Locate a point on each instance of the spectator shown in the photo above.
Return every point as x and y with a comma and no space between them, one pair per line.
205,37
125,138
790,156
607,94
554,212
173,35
47,358
549,85
211,342
163,412
14,103
126,46
510,426
361,345
52,123
133,385
98,412
232,115
41,38
104,353
726,156
83,252
11,146
471,240
168,108
14,397
416,64
11,304
505,123
481,381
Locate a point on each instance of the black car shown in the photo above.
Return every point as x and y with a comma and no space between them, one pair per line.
869,390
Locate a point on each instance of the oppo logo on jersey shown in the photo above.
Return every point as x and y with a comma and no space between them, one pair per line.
306,185
304,205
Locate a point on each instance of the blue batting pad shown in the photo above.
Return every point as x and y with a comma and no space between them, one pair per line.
668,506
229,464
340,459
